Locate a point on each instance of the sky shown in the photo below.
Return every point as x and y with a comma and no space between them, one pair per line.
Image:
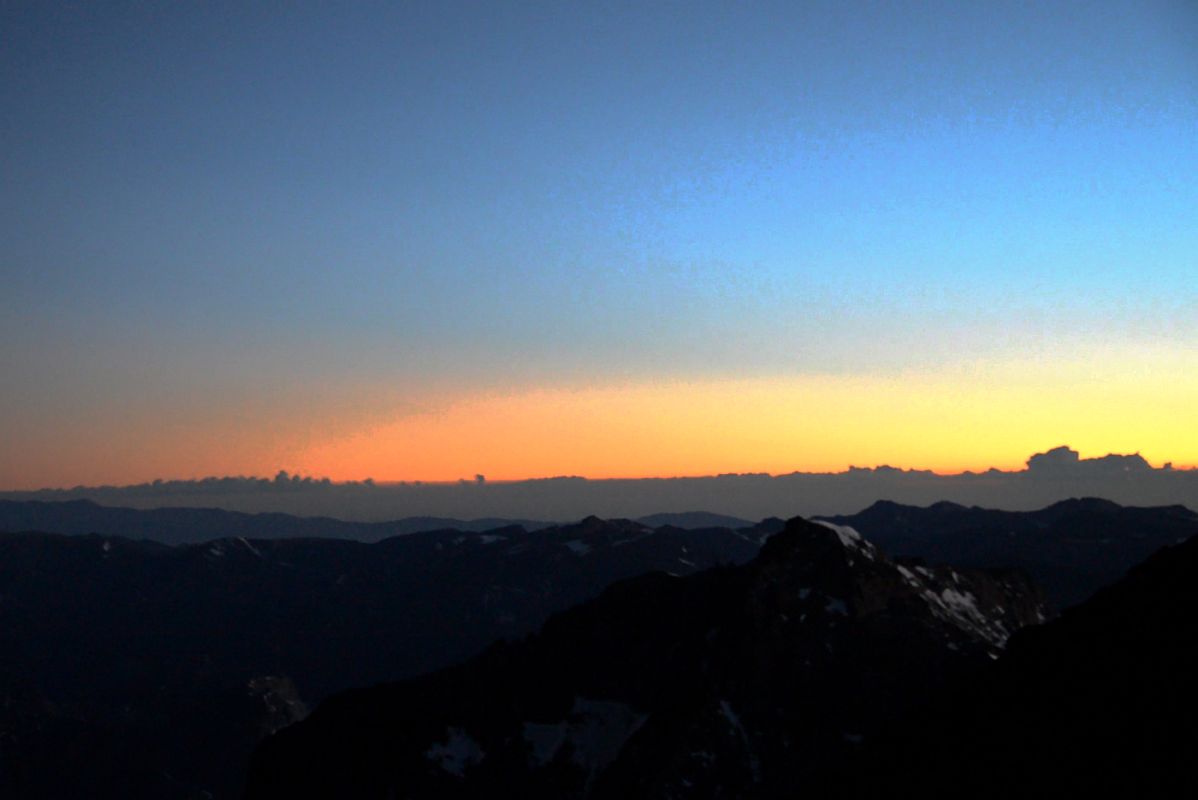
427,241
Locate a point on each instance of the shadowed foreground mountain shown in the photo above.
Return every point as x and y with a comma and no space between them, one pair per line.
147,664
132,669
1100,702
1071,548
741,681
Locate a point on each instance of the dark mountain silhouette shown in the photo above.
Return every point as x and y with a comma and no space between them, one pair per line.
691,520
188,743
1100,702
1071,548
115,654
740,681
145,665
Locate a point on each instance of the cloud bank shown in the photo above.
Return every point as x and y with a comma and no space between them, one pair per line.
1056,474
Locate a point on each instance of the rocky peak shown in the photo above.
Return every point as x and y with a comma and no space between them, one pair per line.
821,570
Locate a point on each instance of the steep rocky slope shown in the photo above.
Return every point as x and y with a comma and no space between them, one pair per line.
1100,702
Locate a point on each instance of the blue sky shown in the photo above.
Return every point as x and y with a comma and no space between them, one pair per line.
200,204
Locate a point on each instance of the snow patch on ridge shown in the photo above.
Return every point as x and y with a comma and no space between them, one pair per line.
595,731
837,606
249,546
849,537
544,741
734,720
457,753
960,607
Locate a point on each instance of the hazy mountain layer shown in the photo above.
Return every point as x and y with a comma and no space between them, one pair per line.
191,525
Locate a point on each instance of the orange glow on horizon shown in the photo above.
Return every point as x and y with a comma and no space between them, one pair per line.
948,423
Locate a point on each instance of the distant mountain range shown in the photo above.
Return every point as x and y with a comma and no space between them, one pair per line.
1071,548
694,520
189,525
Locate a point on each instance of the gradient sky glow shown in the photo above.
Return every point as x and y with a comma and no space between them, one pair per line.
419,241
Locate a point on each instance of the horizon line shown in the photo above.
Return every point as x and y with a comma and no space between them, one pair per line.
285,477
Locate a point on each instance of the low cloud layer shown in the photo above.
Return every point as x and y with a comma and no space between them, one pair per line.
1054,475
